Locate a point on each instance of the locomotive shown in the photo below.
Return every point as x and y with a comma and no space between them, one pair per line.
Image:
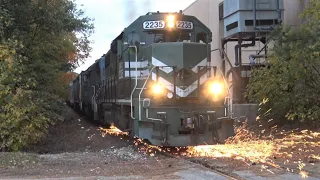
157,83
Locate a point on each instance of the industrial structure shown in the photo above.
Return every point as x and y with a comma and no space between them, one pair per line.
240,31
177,79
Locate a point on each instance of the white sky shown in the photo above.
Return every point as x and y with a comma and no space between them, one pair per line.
112,16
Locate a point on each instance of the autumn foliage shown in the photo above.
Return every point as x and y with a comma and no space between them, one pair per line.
41,43
68,77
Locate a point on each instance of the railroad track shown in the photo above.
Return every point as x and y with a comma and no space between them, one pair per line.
174,153
230,176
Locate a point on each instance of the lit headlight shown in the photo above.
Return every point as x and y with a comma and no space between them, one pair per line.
157,89
170,24
170,21
216,88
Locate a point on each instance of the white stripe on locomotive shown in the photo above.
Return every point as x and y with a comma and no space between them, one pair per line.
180,92
168,85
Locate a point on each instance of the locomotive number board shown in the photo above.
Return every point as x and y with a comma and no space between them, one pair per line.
153,24
161,25
184,25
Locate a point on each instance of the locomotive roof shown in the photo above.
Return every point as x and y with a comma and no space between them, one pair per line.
136,25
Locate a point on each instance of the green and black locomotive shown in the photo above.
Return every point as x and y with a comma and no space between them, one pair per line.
158,83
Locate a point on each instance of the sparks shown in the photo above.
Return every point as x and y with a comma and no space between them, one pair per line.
113,130
303,174
248,147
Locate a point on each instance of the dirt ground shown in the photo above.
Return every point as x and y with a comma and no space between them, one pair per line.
76,148
76,134
112,162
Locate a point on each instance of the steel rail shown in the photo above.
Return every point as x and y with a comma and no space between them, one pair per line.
195,162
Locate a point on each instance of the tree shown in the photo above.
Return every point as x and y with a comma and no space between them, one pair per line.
289,88
40,42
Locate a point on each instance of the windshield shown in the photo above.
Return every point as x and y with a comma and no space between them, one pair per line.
175,36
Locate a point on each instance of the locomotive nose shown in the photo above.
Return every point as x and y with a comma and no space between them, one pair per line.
179,63
181,55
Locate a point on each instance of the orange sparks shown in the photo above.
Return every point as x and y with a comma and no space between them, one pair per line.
303,174
143,147
113,130
317,157
248,147
252,151
245,146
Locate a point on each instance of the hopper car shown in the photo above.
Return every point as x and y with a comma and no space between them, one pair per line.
157,82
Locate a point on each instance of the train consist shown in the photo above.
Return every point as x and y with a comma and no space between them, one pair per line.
157,83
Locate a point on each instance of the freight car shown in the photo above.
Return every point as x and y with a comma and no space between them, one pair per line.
157,83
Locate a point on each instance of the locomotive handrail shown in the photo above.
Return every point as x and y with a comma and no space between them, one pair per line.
136,81
144,85
93,98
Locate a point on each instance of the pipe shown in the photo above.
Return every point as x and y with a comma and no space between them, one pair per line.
253,56
255,18
254,14
279,12
228,73
236,49
229,62
263,48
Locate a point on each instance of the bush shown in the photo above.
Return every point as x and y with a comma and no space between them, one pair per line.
40,43
289,88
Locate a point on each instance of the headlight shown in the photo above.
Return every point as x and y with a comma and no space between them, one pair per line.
170,21
157,89
170,18
170,24
169,95
216,88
